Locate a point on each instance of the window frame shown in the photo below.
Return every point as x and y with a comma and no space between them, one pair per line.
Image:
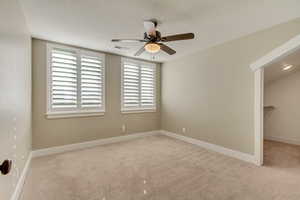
78,111
139,109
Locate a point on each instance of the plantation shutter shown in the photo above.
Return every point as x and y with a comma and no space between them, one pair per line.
147,86
63,79
131,85
76,81
138,85
92,79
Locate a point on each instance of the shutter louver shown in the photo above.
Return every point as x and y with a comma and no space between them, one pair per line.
131,86
63,79
147,86
92,77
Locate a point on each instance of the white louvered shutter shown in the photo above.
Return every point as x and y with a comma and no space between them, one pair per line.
92,82
131,85
147,87
138,86
63,79
76,81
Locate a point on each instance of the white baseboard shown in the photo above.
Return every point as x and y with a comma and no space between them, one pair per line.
89,144
18,190
213,147
284,140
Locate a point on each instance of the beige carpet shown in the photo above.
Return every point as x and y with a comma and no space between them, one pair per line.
161,168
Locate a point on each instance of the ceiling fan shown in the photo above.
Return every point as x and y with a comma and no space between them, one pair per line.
153,40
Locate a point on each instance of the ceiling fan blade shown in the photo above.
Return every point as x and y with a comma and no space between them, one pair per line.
167,49
185,36
128,40
140,51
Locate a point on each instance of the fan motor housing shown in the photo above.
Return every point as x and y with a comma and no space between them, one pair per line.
153,38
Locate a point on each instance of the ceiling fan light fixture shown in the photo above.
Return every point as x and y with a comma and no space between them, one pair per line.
152,47
153,42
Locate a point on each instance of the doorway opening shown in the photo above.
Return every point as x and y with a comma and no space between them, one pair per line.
262,68
281,112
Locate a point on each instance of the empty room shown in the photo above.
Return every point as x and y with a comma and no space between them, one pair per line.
160,100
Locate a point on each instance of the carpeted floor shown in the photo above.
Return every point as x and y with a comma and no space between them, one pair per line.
162,168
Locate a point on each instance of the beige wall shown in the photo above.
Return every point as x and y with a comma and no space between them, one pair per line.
211,92
55,132
282,123
15,96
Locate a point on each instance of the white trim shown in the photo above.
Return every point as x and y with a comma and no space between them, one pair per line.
258,115
287,48
78,146
71,115
213,147
283,140
18,190
89,144
133,111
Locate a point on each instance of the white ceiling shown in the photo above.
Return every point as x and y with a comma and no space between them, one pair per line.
274,71
93,23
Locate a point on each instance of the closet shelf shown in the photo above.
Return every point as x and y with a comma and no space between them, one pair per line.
269,107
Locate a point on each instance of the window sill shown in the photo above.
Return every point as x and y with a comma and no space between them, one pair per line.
57,115
137,111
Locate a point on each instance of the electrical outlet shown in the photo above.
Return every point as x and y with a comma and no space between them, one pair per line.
123,128
183,130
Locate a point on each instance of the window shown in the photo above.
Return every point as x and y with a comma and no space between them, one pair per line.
75,82
138,86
